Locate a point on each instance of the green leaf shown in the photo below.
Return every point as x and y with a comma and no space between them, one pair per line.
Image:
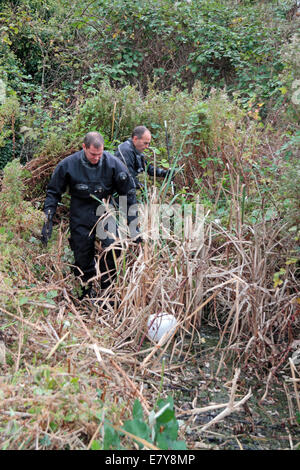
179,445
96,445
166,416
169,430
111,438
45,441
162,402
162,442
52,294
23,300
138,428
137,411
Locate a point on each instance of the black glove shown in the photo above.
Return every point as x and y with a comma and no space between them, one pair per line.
166,173
47,230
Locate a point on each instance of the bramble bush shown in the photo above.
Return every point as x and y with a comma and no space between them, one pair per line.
222,44
55,63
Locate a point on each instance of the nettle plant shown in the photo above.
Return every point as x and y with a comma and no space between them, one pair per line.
160,430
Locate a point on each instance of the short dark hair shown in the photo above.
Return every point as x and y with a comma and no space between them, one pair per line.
139,131
95,139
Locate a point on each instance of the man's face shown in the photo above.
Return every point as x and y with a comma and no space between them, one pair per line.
93,154
142,143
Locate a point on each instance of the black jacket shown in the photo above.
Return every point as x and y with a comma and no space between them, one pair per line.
135,161
102,180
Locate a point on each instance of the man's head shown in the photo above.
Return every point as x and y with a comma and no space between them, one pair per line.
141,138
93,146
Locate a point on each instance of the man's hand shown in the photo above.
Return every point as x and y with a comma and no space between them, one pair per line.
47,230
166,173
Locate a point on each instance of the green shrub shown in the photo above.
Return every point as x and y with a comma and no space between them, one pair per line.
16,214
9,112
219,43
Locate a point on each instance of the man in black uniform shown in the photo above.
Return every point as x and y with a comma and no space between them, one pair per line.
89,172
131,151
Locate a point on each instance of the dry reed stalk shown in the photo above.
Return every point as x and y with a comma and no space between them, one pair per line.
20,344
57,345
146,444
295,380
290,403
231,405
135,390
273,371
71,305
204,409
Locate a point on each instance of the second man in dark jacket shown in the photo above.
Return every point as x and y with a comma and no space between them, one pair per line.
131,154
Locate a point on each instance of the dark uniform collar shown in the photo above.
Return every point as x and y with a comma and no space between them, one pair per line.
87,163
133,147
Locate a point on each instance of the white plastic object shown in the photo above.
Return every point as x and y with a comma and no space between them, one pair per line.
160,323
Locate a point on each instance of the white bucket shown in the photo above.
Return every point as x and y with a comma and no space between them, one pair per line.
159,324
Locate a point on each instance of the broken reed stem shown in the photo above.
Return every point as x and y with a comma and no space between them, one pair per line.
289,402
232,405
197,411
207,300
272,372
57,345
233,388
20,344
71,305
94,436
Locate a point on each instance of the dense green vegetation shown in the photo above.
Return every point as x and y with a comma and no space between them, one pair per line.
53,57
225,75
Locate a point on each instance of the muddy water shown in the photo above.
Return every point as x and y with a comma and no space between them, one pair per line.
267,425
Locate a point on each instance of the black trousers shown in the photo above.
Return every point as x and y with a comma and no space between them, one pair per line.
82,243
